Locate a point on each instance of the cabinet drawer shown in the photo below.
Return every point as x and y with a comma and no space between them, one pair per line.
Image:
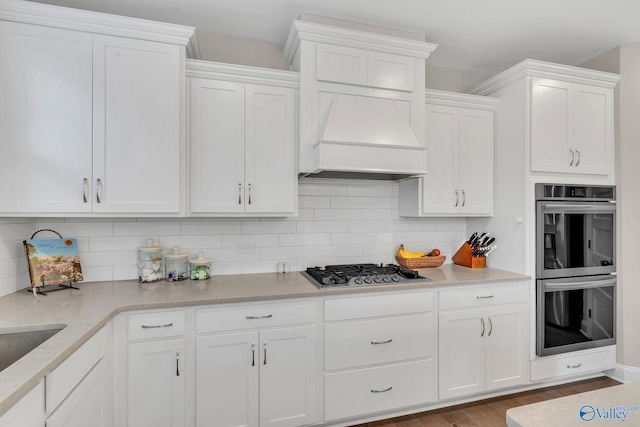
158,324
369,342
258,316
371,390
63,379
480,296
360,307
573,364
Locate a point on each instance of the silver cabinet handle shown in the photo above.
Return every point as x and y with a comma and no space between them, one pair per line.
457,197
85,184
266,316
98,190
578,153
573,156
464,198
384,390
574,366
490,326
264,345
166,325
249,186
239,193
482,323
177,363
381,342
253,354
484,296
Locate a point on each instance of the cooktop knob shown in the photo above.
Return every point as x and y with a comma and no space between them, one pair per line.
395,277
367,280
358,280
386,279
377,279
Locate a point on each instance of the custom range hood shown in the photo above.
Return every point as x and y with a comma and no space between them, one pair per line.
361,99
366,137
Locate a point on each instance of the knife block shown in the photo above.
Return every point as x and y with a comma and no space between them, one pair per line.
463,257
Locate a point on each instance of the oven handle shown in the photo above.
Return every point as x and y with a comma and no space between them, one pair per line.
583,207
566,286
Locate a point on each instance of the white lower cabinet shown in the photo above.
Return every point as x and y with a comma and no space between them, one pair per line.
89,404
257,377
29,411
156,370
482,340
379,353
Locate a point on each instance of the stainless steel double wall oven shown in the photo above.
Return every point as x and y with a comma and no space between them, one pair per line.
575,267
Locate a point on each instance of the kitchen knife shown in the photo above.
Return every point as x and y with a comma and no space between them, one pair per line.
472,238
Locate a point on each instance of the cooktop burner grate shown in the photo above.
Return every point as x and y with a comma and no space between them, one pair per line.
360,275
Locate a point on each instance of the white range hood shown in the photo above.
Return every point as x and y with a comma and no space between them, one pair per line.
367,135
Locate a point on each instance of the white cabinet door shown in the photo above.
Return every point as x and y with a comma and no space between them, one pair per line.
476,161
136,130
242,148
217,146
227,368
461,353
288,376
440,185
89,404
28,412
551,126
506,346
592,129
269,149
45,119
156,384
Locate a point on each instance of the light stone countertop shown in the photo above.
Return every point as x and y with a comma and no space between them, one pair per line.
86,310
617,405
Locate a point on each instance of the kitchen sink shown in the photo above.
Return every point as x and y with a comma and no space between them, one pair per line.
17,342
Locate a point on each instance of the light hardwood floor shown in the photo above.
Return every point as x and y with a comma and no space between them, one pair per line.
490,412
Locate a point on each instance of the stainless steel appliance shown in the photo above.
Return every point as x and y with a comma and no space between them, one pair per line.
575,313
361,275
575,267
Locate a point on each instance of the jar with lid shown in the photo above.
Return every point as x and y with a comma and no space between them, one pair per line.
200,268
176,266
149,262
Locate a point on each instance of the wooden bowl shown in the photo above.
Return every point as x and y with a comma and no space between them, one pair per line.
422,262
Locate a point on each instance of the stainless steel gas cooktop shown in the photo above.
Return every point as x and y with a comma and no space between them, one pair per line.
361,275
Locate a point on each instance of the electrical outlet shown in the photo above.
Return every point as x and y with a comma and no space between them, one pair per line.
247,248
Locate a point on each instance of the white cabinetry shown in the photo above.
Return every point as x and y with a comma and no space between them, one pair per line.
459,140
80,107
156,370
571,127
378,353
483,339
241,140
256,365
29,411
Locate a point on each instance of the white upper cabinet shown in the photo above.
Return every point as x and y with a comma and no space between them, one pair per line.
45,119
241,141
571,127
459,139
90,121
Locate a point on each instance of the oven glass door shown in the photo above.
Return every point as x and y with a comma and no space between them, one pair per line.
575,239
575,314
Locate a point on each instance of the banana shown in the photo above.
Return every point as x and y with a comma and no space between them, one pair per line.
403,253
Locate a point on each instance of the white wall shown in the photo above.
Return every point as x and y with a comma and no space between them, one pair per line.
338,222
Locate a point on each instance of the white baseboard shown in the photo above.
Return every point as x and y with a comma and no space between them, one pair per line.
624,374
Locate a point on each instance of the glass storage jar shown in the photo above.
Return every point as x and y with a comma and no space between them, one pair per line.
149,262
200,268
176,266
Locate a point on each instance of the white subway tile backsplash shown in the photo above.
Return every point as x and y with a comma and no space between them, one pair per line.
338,222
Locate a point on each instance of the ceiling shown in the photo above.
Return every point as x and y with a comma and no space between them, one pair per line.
485,36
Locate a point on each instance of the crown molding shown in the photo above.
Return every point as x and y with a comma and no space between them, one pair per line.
242,73
95,22
311,31
548,70
454,99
